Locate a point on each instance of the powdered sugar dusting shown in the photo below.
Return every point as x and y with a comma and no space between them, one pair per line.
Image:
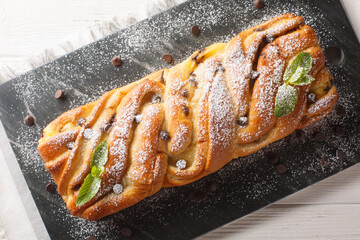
87,73
180,136
119,138
222,117
60,140
281,27
265,92
269,86
143,162
238,65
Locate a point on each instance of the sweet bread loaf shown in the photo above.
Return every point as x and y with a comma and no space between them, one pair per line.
178,125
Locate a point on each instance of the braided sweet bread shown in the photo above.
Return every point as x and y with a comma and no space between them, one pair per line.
180,124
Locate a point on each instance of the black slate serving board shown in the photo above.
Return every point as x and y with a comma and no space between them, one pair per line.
245,184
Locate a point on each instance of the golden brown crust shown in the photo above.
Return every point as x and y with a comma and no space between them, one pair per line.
200,102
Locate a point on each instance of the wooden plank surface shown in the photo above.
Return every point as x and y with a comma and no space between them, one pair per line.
328,221
327,210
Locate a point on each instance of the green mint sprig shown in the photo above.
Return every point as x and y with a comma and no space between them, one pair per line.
297,73
92,182
302,60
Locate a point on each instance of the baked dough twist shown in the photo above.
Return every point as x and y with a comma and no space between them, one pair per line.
216,106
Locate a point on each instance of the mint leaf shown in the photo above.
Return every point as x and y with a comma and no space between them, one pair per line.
88,189
92,182
304,80
285,101
303,60
100,155
290,70
298,74
96,172
306,61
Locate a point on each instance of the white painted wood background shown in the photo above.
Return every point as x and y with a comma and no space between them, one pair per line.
327,210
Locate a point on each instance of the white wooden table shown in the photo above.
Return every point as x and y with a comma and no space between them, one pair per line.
327,210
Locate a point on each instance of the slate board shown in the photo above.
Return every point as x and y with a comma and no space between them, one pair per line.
245,184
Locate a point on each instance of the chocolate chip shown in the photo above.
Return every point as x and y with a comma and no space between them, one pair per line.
270,38
211,186
185,93
116,61
258,4
319,137
195,30
193,80
126,232
138,118
156,98
281,168
271,157
242,121
195,58
91,238
197,196
50,187
59,94
88,133
311,98
112,119
258,30
81,122
107,128
77,187
340,110
220,68
339,131
254,74
162,79
29,120
118,188
185,109
181,164
167,58
324,162
340,154
70,145
164,135
299,134
334,55
257,140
